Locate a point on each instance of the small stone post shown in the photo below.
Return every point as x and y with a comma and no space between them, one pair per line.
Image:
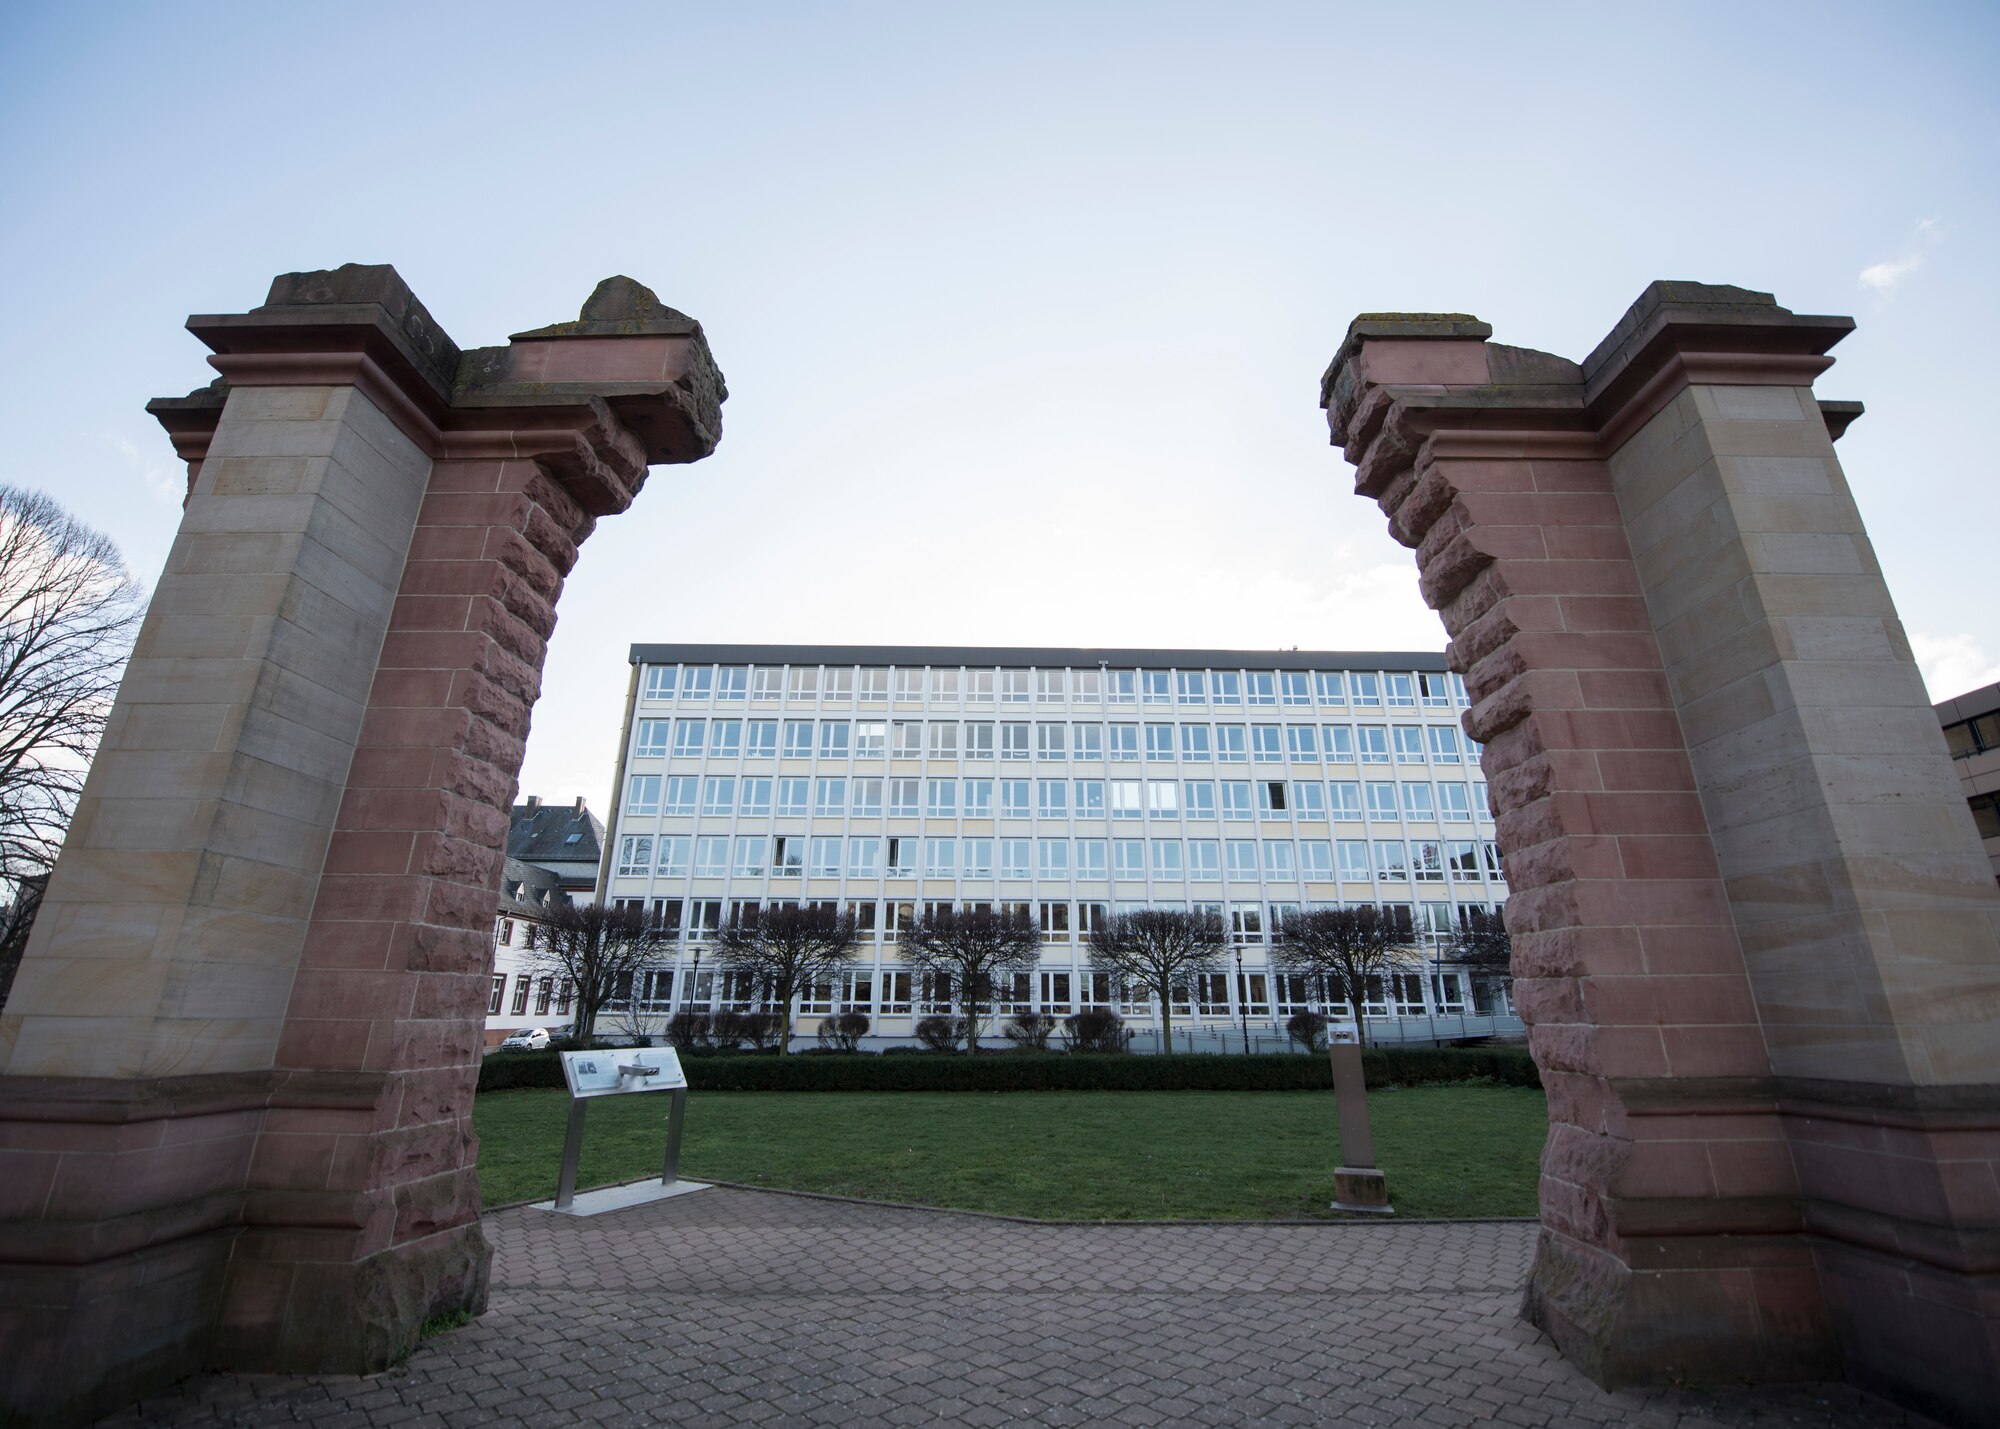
1357,1184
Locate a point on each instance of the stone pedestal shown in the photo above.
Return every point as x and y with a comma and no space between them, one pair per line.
237,1065
1756,942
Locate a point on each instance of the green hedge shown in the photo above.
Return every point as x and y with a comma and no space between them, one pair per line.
1042,1072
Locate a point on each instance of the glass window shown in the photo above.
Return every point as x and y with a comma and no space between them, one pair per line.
635,856
1427,861
761,738
901,858
660,680
874,686
1280,859
1374,742
732,682
1168,861
788,856
792,793
944,686
1365,689
1090,798
1330,686
1192,686
910,686
1339,743
976,857
689,737
718,795
1272,797
680,794
1195,746
1444,744
767,682
868,798
752,852
830,798
1232,743
1296,687
1125,799
1052,741
979,798
1435,690
1198,796
1120,687
1409,744
1013,798
697,681
1156,687
1051,686
1462,858
1228,687
1263,687
1236,799
1163,798
1053,855
1417,802
824,857
1456,806
871,739
1302,743
1052,798
903,795
1402,691
1090,858
1480,807
1089,687
839,683
979,739
909,741
798,739
940,858
1204,859
1309,799
1344,798
1392,861
711,856
1242,859
1014,857
944,738
1266,744
651,740
1124,741
642,795
1016,686
1087,740
674,852
833,739
979,687
1316,860
1382,802
1160,742
1128,858
1353,861
1013,741
754,795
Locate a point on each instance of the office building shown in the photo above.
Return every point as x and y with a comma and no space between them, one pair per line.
1972,734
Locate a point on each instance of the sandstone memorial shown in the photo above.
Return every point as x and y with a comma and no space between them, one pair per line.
237,1066
1757,941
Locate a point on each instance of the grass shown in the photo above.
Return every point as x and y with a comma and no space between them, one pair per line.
1462,1150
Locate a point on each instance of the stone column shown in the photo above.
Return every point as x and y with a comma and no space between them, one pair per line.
1756,944
238,1062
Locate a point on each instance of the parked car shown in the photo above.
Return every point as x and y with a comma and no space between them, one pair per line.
528,1039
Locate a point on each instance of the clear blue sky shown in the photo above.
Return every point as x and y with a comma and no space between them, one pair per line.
1022,306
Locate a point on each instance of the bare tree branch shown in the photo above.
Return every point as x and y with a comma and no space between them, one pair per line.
1161,949
68,615
785,949
599,952
970,949
1349,948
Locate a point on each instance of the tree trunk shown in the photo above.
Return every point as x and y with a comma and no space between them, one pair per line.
1166,992
971,1024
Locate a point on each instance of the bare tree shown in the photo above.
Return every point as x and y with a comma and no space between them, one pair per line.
971,949
1345,948
68,614
600,952
1483,948
17,920
784,950
1160,949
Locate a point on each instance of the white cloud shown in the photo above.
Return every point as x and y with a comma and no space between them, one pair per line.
1953,664
1882,278
165,480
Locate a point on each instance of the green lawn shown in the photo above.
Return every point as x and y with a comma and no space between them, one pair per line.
1447,1150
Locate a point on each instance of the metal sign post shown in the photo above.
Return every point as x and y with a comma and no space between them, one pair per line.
1357,1184
620,1071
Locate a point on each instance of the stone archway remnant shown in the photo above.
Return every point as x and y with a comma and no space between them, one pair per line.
237,1066
1756,941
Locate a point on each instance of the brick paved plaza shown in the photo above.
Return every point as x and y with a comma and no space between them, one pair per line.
733,1307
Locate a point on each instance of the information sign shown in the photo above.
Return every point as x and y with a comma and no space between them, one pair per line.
609,1071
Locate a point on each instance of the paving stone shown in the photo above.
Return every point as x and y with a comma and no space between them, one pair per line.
736,1308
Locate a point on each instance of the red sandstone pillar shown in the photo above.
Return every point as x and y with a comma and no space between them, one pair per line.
239,1061
1753,943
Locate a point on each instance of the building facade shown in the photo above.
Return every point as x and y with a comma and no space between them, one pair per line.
1972,733
524,995
1069,783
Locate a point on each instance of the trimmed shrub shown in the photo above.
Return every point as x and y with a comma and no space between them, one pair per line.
1308,1029
843,1032
940,1034
1052,1071
1030,1031
1096,1029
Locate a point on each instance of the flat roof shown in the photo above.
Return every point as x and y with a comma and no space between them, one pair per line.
1046,656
